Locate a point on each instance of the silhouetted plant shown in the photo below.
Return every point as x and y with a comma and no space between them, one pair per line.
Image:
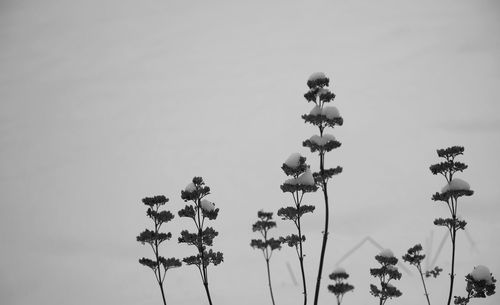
322,116
386,273
454,189
480,284
302,182
154,238
340,288
267,245
415,257
433,272
200,210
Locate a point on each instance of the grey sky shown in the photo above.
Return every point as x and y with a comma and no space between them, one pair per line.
105,102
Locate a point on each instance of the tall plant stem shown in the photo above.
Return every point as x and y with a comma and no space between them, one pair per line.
162,293
452,273
453,236
205,280
423,283
325,232
160,282
201,251
301,261
269,280
205,284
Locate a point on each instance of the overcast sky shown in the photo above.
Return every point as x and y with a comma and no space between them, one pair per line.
105,102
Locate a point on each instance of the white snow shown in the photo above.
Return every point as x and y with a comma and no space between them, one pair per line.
389,285
294,160
393,268
316,76
190,187
339,270
306,178
330,112
328,137
386,253
456,185
207,205
316,139
315,111
322,91
321,141
481,272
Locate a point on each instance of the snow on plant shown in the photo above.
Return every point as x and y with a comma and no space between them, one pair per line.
267,245
480,283
454,189
154,238
199,211
302,182
415,257
386,273
340,288
322,116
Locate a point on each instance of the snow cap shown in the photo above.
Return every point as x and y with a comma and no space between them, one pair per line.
207,205
456,184
322,91
339,270
316,76
190,187
330,112
386,253
294,160
291,181
321,141
315,111
481,272
306,178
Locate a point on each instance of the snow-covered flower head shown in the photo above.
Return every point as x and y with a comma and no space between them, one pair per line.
317,75
339,274
331,112
306,178
322,140
316,110
190,187
294,160
386,253
317,79
456,184
481,273
207,205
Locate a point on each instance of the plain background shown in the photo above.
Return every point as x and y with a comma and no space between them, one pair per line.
105,102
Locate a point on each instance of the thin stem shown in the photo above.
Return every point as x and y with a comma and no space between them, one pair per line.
325,231
208,293
269,281
453,234
203,268
201,274
423,283
162,293
452,274
160,282
155,250
301,261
